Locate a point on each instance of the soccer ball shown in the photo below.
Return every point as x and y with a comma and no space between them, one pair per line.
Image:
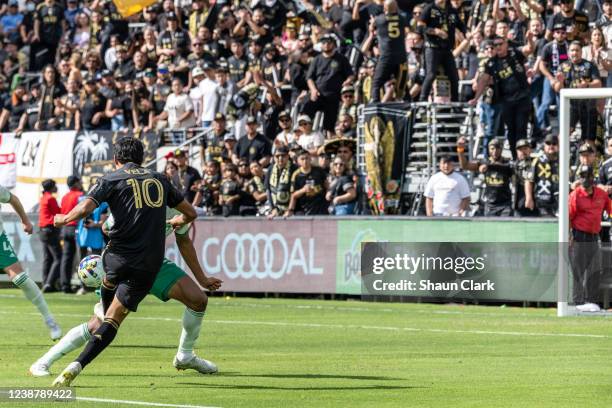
90,271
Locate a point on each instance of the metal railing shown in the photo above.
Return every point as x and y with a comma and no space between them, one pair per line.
198,133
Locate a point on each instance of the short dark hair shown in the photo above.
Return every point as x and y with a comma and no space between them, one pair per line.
48,185
445,158
72,181
128,150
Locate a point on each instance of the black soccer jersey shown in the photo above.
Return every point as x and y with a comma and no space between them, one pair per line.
391,39
137,198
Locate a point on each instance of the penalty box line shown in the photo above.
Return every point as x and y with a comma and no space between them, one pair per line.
346,326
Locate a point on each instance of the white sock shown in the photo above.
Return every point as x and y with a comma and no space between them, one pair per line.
74,339
192,321
33,294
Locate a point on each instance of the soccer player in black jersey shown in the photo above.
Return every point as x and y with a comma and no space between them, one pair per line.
137,197
390,29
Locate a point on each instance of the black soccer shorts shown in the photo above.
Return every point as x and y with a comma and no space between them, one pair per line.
131,284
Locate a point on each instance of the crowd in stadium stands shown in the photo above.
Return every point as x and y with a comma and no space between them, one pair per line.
246,68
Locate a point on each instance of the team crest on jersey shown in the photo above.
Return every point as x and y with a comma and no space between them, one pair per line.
252,150
334,64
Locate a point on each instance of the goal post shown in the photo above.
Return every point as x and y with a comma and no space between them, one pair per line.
566,95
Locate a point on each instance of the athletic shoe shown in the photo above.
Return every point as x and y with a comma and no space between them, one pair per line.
39,369
196,363
588,307
81,291
54,329
68,375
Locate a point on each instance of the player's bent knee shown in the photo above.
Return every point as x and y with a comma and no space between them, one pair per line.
13,270
198,301
93,324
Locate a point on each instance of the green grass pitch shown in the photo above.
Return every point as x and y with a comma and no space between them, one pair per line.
306,353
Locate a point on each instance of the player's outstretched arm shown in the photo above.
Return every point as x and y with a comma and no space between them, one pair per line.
25,221
190,255
83,209
188,214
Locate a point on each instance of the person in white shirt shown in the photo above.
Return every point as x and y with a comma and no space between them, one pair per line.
210,96
179,108
286,135
309,140
447,192
197,75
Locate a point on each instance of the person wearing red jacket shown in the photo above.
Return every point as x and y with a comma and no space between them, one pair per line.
586,205
49,236
69,201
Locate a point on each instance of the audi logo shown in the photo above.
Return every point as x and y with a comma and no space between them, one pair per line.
261,256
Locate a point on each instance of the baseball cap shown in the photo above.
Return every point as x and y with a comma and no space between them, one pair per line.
348,89
522,143
162,69
282,150
149,72
179,153
304,118
559,26
305,36
197,71
219,116
328,38
171,16
208,65
284,114
12,3
269,47
107,73
495,142
251,119
293,146
586,148
229,136
551,139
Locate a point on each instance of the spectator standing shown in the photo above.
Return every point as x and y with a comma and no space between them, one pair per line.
327,74
209,89
309,140
599,54
69,201
278,182
549,62
49,26
229,192
286,135
586,204
507,72
253,146
49,236
522,172
92,110
542,185
187,176
580,73
11,21
497,171
342,195
179,108
308,188
440,22
447,192
390,32
211,147
576,22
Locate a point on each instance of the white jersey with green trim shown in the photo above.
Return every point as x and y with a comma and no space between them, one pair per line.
170,213
5,197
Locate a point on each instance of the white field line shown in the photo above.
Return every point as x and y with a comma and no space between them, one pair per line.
142,403
347,308
348,326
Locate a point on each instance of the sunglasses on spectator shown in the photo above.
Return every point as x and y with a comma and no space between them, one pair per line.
303,123
348,94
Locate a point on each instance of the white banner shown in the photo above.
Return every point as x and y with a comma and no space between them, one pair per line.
8,160
43,155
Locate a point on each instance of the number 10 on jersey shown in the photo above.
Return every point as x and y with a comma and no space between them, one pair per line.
142,193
